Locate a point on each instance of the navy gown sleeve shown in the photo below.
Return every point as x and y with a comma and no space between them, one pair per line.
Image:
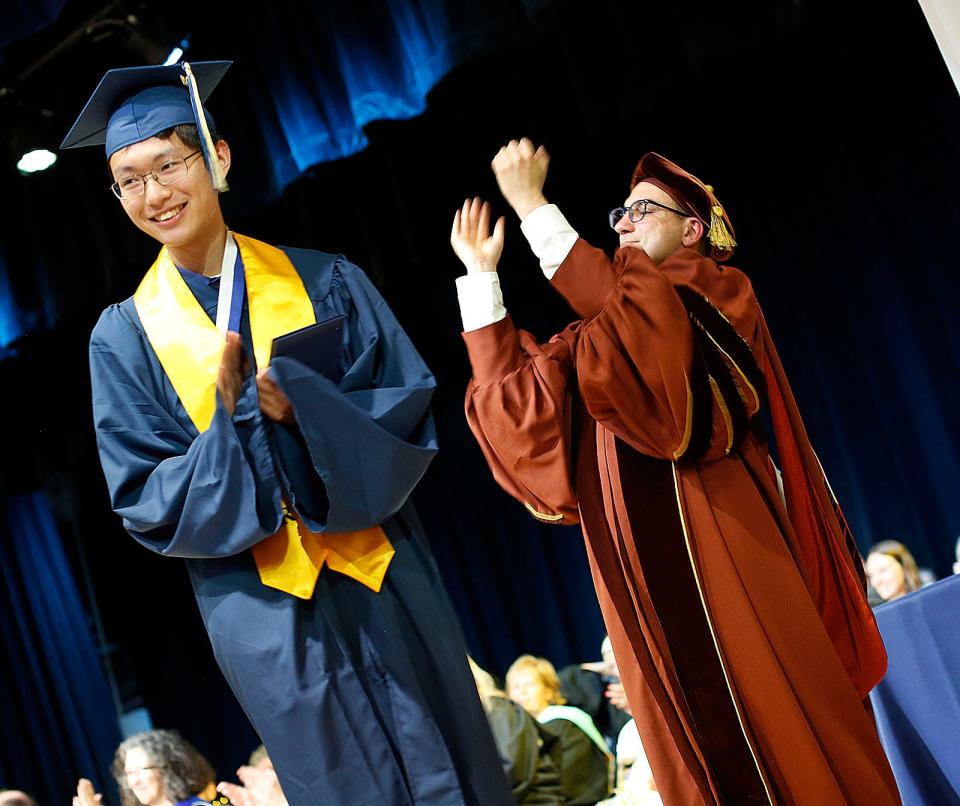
179,493
368,440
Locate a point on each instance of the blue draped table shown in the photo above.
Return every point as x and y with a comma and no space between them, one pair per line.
918,702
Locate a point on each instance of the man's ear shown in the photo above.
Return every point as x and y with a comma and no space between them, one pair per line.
693,231
223,154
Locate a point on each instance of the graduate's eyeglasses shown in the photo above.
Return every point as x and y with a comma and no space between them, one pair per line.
168,172
638,210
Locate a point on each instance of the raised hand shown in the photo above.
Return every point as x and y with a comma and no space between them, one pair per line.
521,171
471,238
259,788
85,795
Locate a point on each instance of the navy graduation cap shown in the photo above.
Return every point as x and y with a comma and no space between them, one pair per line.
132,104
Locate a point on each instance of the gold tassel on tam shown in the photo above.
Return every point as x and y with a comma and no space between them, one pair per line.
209,149
719,236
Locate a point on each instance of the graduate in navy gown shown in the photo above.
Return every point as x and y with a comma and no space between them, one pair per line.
286,489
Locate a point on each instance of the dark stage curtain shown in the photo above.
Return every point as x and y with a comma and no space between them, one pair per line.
57,713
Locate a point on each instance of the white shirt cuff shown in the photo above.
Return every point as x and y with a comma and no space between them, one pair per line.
550,236
481,301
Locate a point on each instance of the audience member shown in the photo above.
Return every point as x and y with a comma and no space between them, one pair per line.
635,784
523,743
891,570
15,797
596,689
581,755
156,768
956,553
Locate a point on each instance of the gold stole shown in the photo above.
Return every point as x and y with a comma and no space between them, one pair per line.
189,348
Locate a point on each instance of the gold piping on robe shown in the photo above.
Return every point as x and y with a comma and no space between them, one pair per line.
727,421
740,372
713,634
688,428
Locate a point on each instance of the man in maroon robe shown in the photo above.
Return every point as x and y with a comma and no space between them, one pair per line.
733,594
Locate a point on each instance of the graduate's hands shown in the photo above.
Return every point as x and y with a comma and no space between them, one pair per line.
273,402
230,377
85,795
260,788
471,238
521,171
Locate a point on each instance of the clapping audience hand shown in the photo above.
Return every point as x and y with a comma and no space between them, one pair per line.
617,697
85,795
260,788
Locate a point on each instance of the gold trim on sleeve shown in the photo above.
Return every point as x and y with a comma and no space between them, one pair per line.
542,516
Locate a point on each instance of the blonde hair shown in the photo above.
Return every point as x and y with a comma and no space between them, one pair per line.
544,670
899,552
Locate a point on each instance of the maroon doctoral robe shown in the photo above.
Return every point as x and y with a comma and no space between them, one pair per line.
736,610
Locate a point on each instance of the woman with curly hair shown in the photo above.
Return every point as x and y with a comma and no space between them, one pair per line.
161,768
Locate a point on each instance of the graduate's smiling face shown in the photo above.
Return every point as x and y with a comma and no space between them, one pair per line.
660,232
179,214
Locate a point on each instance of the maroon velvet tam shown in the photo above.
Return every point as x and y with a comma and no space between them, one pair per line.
691,195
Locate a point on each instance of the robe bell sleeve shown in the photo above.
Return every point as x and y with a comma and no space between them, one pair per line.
636,357
179,493
518,405
370,438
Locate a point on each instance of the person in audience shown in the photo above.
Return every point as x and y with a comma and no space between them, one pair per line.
15,797
582,757
156,768
596,688
892,571
524,744
635,783
956,552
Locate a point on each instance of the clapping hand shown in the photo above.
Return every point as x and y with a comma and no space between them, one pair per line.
260,788
85,795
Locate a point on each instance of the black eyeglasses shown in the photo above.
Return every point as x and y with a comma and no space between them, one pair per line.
639,209
168,172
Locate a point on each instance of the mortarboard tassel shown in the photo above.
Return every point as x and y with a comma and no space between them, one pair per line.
206,141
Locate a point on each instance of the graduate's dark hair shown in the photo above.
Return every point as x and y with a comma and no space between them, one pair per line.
188,134
182,770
